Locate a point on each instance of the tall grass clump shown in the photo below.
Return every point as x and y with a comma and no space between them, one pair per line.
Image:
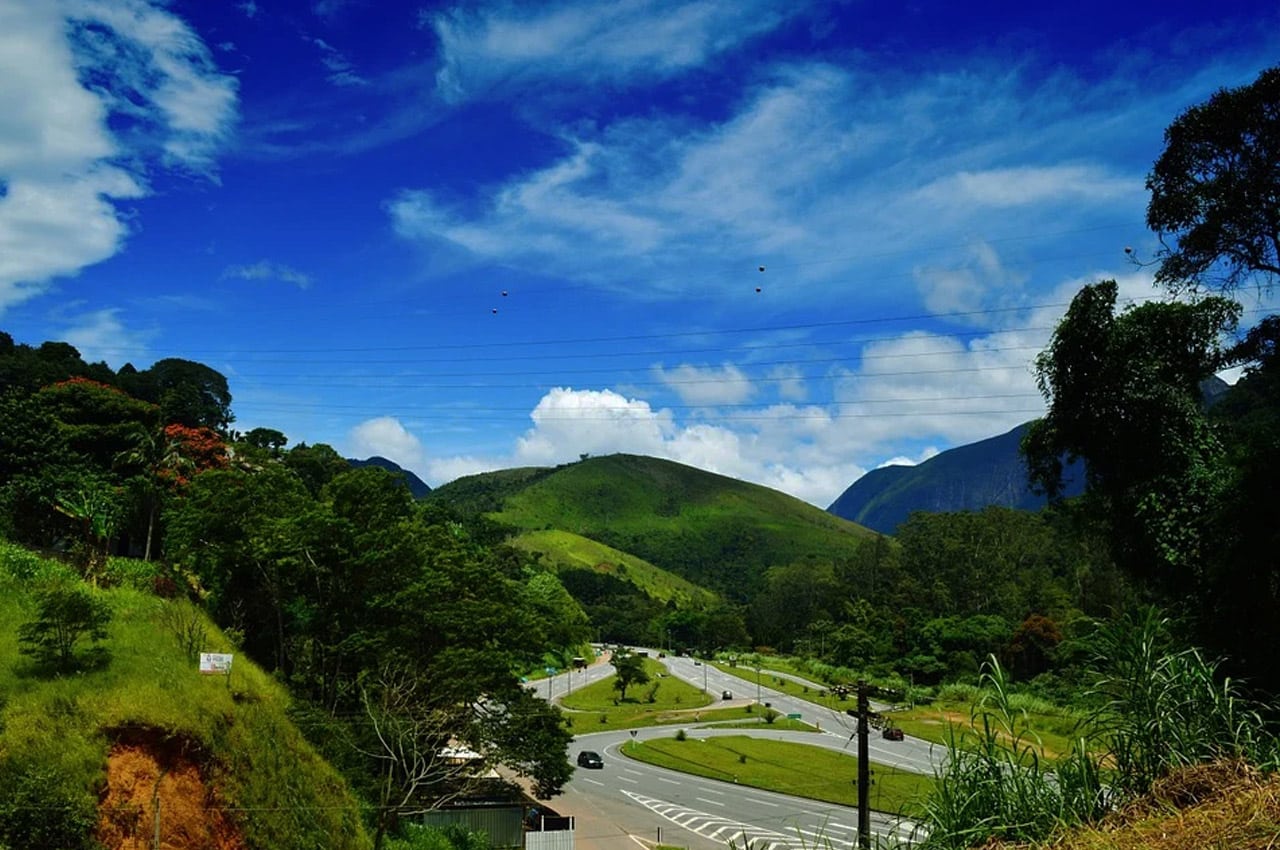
1161,708
993,783
1157,708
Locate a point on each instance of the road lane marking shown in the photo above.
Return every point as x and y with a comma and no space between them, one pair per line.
593,782
712,802
627,779
666,780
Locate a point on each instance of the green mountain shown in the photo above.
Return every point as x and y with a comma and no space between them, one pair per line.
966,478
713,530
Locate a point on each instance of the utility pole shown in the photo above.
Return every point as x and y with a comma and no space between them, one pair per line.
864,769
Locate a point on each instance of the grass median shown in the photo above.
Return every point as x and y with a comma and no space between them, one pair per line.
787,768
664,701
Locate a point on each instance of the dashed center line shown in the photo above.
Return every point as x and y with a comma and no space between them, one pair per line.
712,802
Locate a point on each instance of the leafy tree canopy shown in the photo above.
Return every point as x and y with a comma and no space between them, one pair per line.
1215,191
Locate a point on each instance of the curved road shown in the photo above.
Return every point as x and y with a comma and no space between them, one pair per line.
629,804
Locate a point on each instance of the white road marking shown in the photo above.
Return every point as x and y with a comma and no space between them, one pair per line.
712,802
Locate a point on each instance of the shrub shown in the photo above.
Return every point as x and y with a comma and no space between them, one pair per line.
681,735
41,810
66,613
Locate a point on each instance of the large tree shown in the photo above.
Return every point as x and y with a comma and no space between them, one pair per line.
1214,202
1124,395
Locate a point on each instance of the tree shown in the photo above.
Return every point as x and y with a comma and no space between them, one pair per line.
1215,190
419,765
269,439
628,670
65,615
159,459
1124,395
188,393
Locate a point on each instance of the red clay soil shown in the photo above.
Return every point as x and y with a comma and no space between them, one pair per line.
190,818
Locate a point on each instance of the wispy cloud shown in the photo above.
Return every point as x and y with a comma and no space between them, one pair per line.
101,335
341,71
249,7
160,74
269,270
61,162
503,46
814,161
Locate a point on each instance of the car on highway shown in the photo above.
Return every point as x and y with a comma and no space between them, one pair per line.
590,759
727,695
892,733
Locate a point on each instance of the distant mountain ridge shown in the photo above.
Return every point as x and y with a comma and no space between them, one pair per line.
416,485
969,477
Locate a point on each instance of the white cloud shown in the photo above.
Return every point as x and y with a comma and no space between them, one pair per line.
968,285
795,450
790,383
386,437
153,57
503,46
249,7
61,165
709,386
101,335
268,270
903,460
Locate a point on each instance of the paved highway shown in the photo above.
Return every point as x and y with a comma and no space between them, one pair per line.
629,803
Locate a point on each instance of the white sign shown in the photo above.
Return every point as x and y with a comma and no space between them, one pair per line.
215,663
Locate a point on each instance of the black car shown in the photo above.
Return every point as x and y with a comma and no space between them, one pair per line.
892,733
590,758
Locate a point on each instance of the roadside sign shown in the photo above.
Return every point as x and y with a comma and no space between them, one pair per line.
215,663
794,716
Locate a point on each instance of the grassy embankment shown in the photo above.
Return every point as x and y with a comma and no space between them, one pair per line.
596,707
1054,727
59,733
564,550
787,768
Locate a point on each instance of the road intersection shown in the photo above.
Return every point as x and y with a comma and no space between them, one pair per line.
629,803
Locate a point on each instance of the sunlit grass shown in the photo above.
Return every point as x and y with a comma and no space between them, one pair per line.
787,768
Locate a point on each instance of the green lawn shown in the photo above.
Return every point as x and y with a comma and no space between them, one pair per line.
787,768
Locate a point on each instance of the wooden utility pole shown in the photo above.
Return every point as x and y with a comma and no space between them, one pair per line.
864,768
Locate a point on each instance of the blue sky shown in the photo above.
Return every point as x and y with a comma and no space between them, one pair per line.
783,241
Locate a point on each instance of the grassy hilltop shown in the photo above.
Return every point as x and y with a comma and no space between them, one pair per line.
712,530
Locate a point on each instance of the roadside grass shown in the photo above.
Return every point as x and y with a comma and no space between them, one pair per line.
787,768
1052,728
